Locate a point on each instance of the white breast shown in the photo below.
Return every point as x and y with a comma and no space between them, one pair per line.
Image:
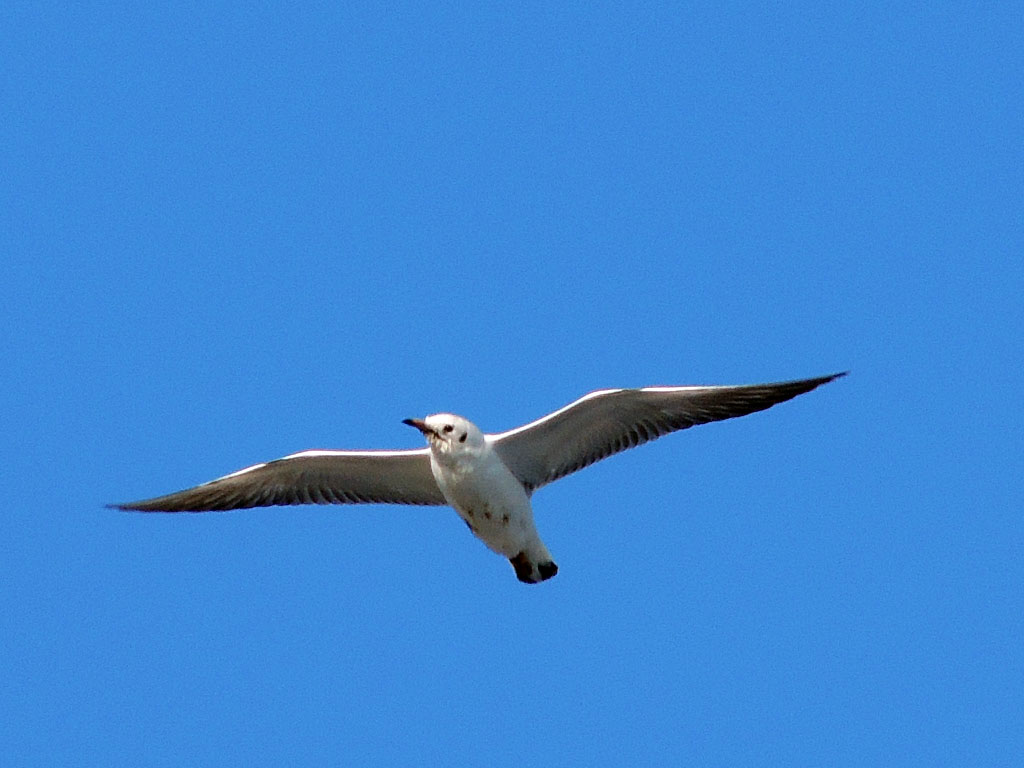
489,498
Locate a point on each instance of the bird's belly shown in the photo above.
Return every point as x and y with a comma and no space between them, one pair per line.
504,530
495,508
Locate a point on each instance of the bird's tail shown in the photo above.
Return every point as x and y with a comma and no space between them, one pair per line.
533,570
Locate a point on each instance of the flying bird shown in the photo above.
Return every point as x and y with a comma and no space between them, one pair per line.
487,478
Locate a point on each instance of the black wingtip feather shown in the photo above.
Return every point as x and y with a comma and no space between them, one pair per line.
140,507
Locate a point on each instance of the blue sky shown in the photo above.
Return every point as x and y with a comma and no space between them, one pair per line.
230,233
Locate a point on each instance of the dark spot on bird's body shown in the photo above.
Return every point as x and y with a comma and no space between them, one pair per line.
504,519
462,439
487,514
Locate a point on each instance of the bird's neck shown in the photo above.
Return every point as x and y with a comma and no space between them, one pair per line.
461,461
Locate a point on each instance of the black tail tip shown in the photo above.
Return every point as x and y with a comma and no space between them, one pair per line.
547,570
527,573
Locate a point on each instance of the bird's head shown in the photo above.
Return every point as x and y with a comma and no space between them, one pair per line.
449,434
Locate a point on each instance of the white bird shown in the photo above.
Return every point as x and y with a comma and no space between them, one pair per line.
487,478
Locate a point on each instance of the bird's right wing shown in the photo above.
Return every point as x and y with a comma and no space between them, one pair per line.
612,420
311,477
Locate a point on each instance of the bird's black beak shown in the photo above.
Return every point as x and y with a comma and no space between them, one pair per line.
421,425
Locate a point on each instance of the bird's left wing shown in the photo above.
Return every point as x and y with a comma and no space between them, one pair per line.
311,477
612,420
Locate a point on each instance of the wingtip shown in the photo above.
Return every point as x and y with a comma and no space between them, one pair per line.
129,506
815,383
126,507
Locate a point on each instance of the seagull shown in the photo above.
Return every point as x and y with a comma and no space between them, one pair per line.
487,478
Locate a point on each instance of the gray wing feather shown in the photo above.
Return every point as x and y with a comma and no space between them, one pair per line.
311,477
608,421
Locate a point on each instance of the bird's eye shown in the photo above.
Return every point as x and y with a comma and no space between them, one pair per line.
462,439
448,428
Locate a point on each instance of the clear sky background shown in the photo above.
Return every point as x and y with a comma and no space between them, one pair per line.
230,233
